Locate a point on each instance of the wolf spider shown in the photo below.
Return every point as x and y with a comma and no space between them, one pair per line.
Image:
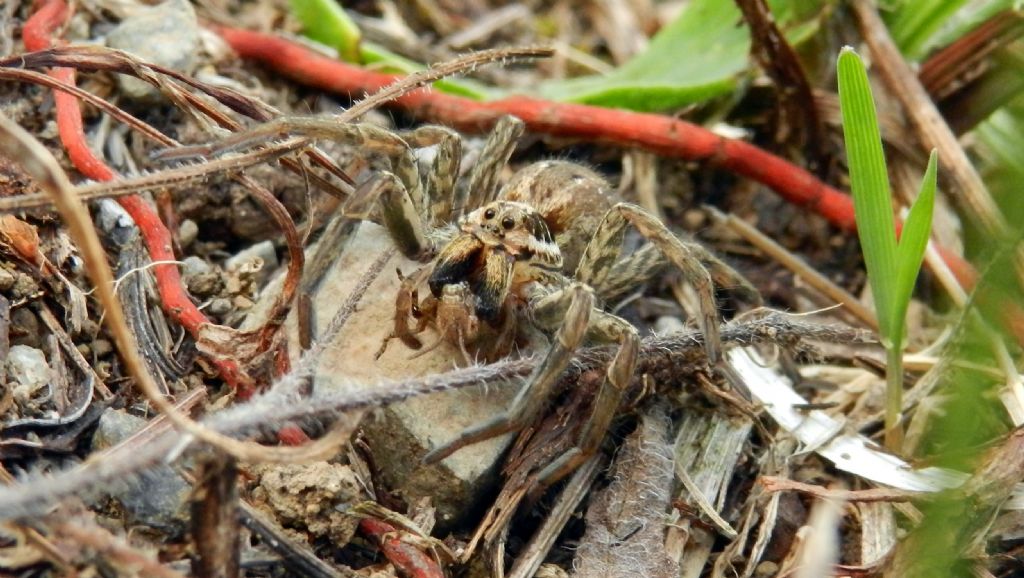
543,250
546,249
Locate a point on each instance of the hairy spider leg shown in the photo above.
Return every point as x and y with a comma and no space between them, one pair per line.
439,182
607,328
648,261
602,254
577,303
483,180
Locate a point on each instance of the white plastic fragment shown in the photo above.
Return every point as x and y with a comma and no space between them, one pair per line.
851,453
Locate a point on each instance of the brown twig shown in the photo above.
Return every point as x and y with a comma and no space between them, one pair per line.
215,532
672,355
18,145
771,49
774,484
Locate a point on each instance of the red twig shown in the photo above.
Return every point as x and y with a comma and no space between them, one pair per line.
656,133
407,558
660,134
37,35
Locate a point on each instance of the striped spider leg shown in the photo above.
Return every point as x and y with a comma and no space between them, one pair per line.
419,222
524,261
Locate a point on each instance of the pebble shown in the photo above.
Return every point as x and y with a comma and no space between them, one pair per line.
158,497
200,277
7,279
28,369
219,306
27,330
260,259
188,231
101,347
166,34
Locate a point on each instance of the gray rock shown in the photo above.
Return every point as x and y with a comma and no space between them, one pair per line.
187,233
27,370
166,34
401,434
158,497
259,259
7,279
193,265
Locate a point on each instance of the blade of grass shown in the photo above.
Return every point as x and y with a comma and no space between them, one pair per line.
870,183
326,22
913,242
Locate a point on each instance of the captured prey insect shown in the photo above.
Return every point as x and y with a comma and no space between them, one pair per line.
543,252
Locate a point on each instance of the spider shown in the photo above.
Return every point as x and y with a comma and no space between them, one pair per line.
544,250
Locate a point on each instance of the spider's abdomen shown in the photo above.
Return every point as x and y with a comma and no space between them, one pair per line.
571,199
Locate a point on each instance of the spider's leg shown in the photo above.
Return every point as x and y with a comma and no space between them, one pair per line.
609,328
574,304
644,264
397,210
483,181
603,251
439,182
648,261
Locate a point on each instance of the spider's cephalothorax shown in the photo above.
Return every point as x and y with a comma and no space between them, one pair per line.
499,248
548,244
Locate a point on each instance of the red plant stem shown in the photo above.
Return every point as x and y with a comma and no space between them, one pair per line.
37,35
408,559
656,133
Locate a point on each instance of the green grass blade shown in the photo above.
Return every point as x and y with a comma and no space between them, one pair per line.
870,183
917,21
326,22
913,242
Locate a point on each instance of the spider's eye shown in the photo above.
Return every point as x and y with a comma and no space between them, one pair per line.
489,214
508,222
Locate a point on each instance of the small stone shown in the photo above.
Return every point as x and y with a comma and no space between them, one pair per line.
220,306
307,496
193,265
259,260
25,328
166,34
242,302
7,279
668,324
205,284
187,233
694,219
402,433
28,370
158,497
25,287
101,347
200,277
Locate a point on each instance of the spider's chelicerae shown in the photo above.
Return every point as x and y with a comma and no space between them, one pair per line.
544,250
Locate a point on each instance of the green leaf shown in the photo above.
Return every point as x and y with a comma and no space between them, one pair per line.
326,22
918,26
913,242
869,180
696,57
915,22
386,61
